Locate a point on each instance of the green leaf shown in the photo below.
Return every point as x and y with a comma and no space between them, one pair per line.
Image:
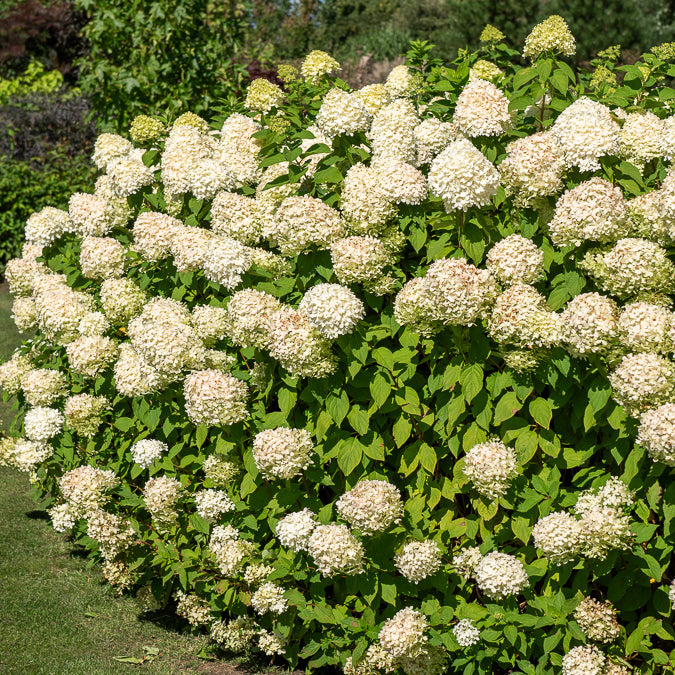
337,406
541,412
471,380
427,457
379,389
401,430
359,420
388,592
507,407
349,455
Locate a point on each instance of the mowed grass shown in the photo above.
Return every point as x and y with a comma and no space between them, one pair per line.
57,616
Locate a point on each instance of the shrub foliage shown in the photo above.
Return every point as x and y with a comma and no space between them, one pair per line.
376,379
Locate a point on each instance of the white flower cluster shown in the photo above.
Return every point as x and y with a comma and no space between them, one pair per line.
147,451
482,110
332,309
589,324
282,452
89,356
371,506
121,300
597,620
83,488
640,138
235,635
594,210
12,372
269,598
47,225
219,471
215,398
466,560
41,424
392,133
552,35
584,660
211,504
645,327
335,550
466,634
111,532
490,467
463,177
533,168
454,292
656,433
515,260
160,495
499,575
403,635
295,529
585,131
642,382
402,81
193,608
418,560
43,386
342,113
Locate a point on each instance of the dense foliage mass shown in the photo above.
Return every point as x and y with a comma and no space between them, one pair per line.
379,379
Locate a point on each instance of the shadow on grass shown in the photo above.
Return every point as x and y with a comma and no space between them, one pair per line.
37,514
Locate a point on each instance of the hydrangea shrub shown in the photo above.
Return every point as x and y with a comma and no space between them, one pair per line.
375,379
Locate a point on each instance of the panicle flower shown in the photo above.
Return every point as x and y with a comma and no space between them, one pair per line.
374,97
298,346
376,660
207,176
491,35
365,201
47,225
499,575
228,549
263,95
335,550
271,643
392,132
656,433
402,183
490,467
402,81
249,312
211,504
332,309
482,110
533,168
585,132
403,634
466,633
418,560
147,451
27,455
236,216
644,327
236,635
219,471
210,323
304,222
463,177
91,355
589,324
430,661
215,398
160,496
189,246
84,413
631,267
317,64
371,506
111,532
118,575
269,598
83,487
592,211
522,318
597,620
359,259
485,70
643,381
415,306
558,535
295,529
640,138
604,529
516,260
21,275
145,129
108,147
24,314
431,137
43,386
191,120
551,35
153,233
62,516
127,175
41,424
466,561
121,300
282,452
93,324
342,113
92,215
133,376
193,608
225,260
584,660
256,573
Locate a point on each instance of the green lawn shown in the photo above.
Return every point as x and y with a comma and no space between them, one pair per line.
58,617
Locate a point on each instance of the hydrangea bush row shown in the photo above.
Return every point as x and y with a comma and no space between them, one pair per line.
377,379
